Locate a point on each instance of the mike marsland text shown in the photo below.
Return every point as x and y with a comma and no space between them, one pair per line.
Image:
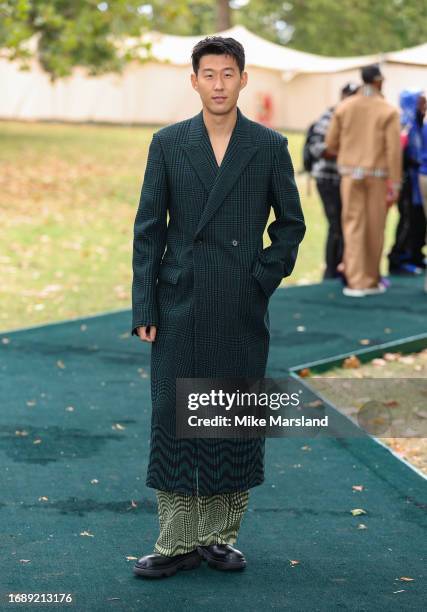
251,421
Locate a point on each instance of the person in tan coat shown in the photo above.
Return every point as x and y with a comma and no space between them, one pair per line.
364,134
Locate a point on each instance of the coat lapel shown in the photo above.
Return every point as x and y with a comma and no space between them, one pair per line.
218,181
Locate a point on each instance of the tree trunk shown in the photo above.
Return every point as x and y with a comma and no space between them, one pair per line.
223,16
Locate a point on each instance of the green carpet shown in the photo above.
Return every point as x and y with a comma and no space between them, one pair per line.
302,511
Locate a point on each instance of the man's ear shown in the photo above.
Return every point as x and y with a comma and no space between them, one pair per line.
194,81
243,79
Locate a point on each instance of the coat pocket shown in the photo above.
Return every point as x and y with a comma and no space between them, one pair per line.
169,273
259,287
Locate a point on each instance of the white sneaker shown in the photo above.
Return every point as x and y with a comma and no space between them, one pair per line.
354,292
380,288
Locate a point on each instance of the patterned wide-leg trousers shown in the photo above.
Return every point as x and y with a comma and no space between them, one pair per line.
187,521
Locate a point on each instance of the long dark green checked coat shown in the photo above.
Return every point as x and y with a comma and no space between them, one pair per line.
210,304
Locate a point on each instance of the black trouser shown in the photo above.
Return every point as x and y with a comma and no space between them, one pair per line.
329,191
401,250
418,235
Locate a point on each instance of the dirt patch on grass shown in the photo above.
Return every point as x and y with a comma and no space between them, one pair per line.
396,382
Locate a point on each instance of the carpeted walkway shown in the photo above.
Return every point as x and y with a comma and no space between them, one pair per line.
74,444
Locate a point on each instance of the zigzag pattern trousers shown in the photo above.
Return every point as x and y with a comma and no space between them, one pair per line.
187,521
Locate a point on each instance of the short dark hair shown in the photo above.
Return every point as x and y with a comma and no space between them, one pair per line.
371,73
217,45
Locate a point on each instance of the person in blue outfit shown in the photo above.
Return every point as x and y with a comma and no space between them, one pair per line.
406,256
423,183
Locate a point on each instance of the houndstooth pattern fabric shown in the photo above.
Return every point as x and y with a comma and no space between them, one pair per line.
190,520
204,280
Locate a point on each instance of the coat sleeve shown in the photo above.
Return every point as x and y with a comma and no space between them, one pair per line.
286,232
393,148
317,143
150,230
332,138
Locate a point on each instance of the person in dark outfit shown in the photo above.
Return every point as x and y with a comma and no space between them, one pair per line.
327,178
200,293
406,255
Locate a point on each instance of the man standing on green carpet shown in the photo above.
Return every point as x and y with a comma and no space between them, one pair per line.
200,293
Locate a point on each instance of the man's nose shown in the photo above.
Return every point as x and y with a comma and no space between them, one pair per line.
218,84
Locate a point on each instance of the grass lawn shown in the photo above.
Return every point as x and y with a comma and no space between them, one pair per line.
69,195
397,385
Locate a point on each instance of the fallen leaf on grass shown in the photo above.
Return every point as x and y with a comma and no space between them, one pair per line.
392,356
407,359
379,362
357,511
294,562
351,362
87,533
357,487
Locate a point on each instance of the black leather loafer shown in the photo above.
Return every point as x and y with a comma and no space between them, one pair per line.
158,566
222,556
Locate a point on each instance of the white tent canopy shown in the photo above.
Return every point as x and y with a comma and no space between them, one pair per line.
286,88
259,52
414,55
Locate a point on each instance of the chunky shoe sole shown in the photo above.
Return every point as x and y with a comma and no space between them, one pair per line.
222,565
160,572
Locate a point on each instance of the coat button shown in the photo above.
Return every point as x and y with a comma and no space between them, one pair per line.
198,240
234,242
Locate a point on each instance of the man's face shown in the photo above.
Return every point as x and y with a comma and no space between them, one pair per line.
218,82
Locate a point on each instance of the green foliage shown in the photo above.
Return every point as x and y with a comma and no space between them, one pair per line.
347,27
327,27
183,17
90,32
81,32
